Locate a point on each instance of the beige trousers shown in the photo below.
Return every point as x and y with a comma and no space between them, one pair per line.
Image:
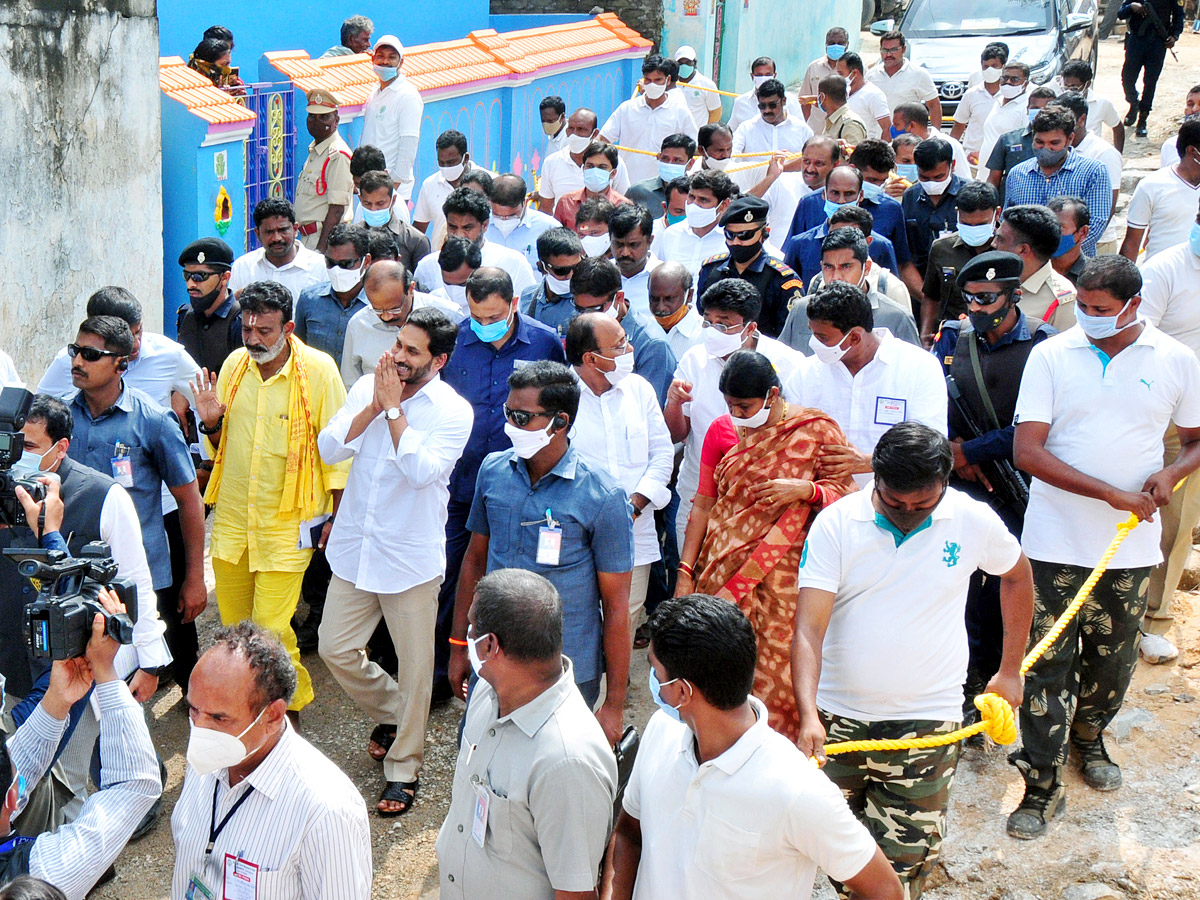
1178,518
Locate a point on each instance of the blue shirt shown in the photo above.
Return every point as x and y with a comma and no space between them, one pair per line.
926,222
597,536
479,373
888,223
552,310
1078,176
321,319
653,357
151,439
803,252
524,237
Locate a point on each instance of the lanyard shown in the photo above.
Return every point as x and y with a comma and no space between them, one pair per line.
214,830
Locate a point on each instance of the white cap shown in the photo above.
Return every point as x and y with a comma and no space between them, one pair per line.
392,41
685,52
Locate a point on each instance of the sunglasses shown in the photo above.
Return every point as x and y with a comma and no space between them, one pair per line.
347,264
743,237
588,309
1012,79
521,417
983,298
197,277
562,272
91,354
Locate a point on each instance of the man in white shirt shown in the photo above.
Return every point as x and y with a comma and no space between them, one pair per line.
1164,202
1077,76
1089,143
643,121
880,644
700,91
1168,154
866,380
698,237
1094,404
1171,302
514,224
404,428
1009,114
674,316
719,806
553,113
620,430
467,214
976,104
281,257
745,107
773,129
837,40
392,115
562,171
275,816
900,80
454,161
913,118
866,99
694,401
631,230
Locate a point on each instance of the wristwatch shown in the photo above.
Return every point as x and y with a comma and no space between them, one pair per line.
394,413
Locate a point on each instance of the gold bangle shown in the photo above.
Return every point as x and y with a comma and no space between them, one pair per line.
686,569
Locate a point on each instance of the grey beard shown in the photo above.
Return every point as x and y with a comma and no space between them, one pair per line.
262,357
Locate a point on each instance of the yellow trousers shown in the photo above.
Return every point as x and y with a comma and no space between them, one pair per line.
268,599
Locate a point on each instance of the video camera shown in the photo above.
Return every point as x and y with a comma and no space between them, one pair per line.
14,407
58,624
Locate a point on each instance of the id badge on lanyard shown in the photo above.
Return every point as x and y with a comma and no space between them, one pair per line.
122,467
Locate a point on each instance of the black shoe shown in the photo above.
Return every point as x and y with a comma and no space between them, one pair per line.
1131,116
1141,123
307,636
1099,771
441,693
1040,804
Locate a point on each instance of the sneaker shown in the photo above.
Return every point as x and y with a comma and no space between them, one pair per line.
1156,649
1040,804
1099,771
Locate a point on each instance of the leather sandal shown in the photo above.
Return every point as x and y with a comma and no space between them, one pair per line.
383,736
398,792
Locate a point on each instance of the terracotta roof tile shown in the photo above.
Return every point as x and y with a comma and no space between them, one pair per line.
197,94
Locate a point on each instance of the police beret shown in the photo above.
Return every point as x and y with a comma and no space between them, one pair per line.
995,265
209,252
745,210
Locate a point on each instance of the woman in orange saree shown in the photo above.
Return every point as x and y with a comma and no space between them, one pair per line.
757,496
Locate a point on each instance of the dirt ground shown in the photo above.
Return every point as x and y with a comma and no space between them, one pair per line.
1142,841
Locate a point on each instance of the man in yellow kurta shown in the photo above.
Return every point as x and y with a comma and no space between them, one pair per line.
261,417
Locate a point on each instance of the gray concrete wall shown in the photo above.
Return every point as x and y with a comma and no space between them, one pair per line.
79,167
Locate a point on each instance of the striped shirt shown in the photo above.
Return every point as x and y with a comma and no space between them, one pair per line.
303,824
1078,176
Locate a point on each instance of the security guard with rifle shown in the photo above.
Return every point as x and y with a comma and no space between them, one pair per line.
1154,27
984,356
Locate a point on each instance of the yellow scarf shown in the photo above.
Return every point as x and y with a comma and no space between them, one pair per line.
303,483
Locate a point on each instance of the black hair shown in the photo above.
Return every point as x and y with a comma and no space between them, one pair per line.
995,50
1189,136
873,154
733,295
833,87
558,389
1076,206
913,112
680,185
220,33
1077,68
849,238
893,35
856,214
1072,101
976,196
911,456
442,333
601,148
272,207
748,375
55,416
210,49
627,218
1036,226
509,190
704,137
844,306
720,184
112,300
762,61
374,180
260,297
594,209
581,337
113,331
488,280
480,176
596,276
465,202
264,653
366,158
679,141
772,87
904,140
1052,118
708,642
664,64
350,233
1042,93
382,244
853,62
558,241
451,138
555,103
932,151
457,252
1113,274
1023,68
26,887
524,612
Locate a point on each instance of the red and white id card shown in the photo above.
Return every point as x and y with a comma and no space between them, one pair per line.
241,879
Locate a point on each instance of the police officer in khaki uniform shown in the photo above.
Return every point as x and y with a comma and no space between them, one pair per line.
325,185
1032,232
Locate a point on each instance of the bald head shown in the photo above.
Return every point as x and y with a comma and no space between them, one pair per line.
389,290
583,121
386,270
670,289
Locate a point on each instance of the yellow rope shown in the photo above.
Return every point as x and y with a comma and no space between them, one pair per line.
698,87
996,714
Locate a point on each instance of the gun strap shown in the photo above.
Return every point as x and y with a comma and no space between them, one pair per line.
977,369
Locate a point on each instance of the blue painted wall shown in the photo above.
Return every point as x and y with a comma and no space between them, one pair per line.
312,25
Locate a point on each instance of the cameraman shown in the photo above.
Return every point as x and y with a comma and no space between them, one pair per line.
74,857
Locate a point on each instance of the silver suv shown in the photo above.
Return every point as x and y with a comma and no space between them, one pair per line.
945,37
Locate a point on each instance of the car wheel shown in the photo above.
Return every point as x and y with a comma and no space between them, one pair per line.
868,13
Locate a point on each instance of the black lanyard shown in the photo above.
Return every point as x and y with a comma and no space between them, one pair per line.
214,830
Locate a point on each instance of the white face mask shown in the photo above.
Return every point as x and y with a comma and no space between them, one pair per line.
825,353
560,287
936,188
456,293
1011,91
595,244
577,143
209,750
507,226
653,90
990,75
624,367
527,443
719,344
755,421
343,280
700,217
473,653
760,80
451,173
719,165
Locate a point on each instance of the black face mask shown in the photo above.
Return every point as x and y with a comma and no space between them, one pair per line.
743,253
201,304
990,321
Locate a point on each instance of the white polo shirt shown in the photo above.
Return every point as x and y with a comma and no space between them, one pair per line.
1107,419
1101,112
757,136
699,103
755,822
1095,147
561,176
902,383
679,243
306,268
1003,118
638,125
911,84
783,196
1166,204
972,111
896,645
745,108
428,208
1171,294
391,115
870,102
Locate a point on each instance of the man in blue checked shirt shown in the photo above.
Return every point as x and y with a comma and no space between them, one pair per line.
1058,170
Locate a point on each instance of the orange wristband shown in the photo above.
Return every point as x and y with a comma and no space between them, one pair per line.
455,642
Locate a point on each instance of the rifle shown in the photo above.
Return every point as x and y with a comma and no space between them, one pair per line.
1157,21
1007,480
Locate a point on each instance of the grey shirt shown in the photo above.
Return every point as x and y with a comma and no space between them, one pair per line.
887,314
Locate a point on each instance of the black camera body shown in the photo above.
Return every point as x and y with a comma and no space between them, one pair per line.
14,407
58,624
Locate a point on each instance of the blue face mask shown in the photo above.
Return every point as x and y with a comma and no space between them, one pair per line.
896,132
656,696
831,207
1066,244
377,218
670,171
907,171
29,464
975,235
1194,238
386,73
835,51
872,192
675,220
1032,114
493,332
1100,327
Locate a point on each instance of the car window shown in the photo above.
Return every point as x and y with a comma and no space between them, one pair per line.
945,18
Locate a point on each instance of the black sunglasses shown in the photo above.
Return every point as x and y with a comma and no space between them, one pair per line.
343,263
521,417
198,277
91,354
983,298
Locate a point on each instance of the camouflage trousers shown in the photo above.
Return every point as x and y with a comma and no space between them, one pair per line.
1080,682
901,796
